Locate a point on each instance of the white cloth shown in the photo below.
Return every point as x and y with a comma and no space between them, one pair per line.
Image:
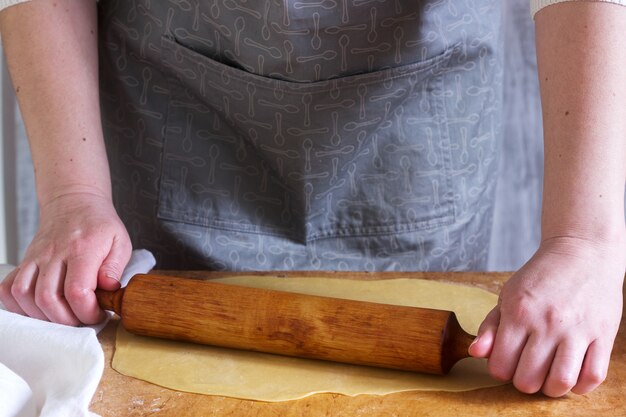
51,370
60,365
140,262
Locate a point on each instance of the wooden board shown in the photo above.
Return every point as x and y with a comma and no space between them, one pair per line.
121,396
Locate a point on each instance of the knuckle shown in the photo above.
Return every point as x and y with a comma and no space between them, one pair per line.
124,240
41,253
76,295
19,291
5,291
563,383
527,386
46,299
47,251
81,237
499,372
519,311
553,317
596,376
78,247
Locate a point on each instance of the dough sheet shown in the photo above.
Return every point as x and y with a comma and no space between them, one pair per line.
266,377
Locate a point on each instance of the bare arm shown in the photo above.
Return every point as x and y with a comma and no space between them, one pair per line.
52,54
558,316
582,60
51,49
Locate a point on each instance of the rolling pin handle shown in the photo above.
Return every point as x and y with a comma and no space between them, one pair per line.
456,343
111,300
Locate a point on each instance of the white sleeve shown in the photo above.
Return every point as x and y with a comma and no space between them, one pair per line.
536,5
6,3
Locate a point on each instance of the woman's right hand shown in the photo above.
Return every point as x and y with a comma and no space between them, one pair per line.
81,245
51,51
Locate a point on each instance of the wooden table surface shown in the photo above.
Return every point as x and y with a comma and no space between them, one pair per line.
121,396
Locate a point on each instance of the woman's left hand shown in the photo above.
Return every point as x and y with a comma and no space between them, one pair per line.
555,323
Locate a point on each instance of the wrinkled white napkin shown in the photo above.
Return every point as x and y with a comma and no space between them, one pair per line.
51,370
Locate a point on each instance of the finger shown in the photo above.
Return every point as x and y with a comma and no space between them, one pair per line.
507,348
595,367
80,284
23,290
113,265
534,364
49,295
482,346
6,298
565,368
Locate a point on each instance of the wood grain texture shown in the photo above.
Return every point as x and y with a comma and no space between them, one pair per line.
285,323
121,396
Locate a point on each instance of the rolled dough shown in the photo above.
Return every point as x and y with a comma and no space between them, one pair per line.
265,377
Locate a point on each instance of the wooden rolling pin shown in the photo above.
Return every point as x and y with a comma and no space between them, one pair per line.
357,332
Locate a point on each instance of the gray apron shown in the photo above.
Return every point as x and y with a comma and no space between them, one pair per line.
303,134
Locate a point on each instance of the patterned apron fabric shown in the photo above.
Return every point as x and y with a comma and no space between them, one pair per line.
303,134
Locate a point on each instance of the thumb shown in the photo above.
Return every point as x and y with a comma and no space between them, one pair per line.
110,271
482,345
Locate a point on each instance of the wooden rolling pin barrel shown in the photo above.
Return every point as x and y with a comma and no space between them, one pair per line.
357,332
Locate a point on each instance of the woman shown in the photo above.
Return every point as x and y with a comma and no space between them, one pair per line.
323,135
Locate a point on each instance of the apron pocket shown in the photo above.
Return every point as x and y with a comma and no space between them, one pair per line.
365,154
